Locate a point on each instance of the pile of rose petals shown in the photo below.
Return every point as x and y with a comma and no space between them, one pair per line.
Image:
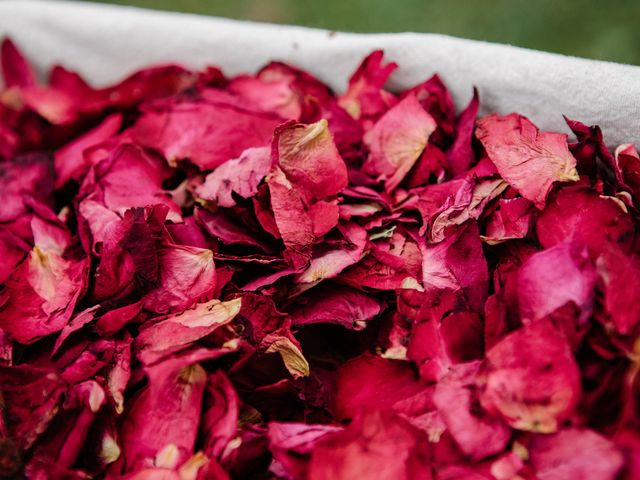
205,277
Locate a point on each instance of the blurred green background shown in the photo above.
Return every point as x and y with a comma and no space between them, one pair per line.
602,29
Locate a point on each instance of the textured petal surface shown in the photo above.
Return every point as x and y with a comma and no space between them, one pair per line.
529,160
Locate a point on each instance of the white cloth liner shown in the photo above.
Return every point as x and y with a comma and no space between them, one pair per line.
105,42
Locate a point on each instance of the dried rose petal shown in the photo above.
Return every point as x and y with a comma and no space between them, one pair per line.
241,176
342,306
619,284
396,141
161,425
293,443
512,220
565,264
291,219
365,97
205,133
371,382
529,160
125,166
177,332
579,214
457,265
220,415
83,403
478,434
16,71
69,161
187,276
309,158
375,445
575,453
460,155
42,292
437,345
25,180
530,378
31,399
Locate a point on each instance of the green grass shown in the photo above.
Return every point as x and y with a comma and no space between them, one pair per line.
606,30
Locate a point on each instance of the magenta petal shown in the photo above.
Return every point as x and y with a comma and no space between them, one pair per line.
529,160
460,155
309,158
32,397
531,379
178,331
396,141
575,453
16,71
371,382
241,176
162,422
205,133
375,445
69,161
342,306
43,292
579,214
565,264
220,415
292,220
293,443
457,265
187,276
477,433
